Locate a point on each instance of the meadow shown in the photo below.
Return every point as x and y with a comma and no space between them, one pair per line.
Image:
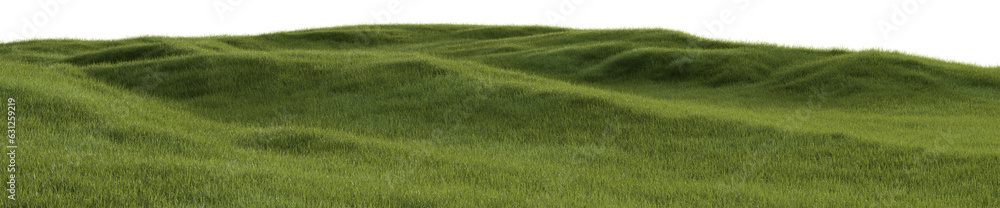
495,116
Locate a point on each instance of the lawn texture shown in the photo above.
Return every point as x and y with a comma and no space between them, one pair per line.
487,116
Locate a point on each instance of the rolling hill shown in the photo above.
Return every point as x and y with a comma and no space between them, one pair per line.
473,116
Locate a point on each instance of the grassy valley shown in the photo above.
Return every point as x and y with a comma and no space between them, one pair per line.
473,116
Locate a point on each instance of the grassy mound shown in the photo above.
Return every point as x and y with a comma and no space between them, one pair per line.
464,115
714,67
129,53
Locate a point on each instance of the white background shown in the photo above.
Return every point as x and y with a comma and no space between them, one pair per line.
960,30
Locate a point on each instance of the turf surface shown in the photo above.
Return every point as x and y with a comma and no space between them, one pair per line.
472,116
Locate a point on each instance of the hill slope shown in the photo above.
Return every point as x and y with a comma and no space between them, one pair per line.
465,115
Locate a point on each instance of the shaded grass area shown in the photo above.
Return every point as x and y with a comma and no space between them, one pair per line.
464,115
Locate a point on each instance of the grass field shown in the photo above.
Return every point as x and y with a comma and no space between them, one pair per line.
483,116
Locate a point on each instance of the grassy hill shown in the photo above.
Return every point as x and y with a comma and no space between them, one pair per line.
465,115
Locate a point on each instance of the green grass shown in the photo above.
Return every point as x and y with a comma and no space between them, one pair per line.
473,116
